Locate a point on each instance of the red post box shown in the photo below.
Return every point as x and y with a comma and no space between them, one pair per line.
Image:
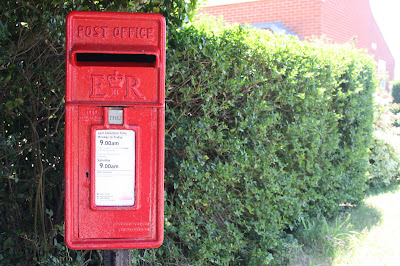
114,130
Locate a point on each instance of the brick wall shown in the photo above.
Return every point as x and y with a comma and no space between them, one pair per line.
300,16
339,20
344,20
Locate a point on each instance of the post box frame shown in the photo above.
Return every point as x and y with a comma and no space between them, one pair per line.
141,97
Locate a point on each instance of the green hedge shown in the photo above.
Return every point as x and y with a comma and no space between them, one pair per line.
396,92
384,160
261,131
384,156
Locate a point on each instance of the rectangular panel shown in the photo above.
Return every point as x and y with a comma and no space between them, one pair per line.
115,168
109,28
116,84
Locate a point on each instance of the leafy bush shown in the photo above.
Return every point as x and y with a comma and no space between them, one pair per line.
384,157
386,112
385,154
262,131
384,161
396,92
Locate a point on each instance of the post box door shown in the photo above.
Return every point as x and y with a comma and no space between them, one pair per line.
106,220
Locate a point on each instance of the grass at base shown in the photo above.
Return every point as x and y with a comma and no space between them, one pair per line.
366,234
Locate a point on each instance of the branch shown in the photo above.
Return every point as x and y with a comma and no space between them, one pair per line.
28,5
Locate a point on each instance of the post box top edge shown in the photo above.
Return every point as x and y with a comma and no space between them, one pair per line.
114,15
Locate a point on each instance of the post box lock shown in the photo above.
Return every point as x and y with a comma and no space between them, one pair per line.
114,138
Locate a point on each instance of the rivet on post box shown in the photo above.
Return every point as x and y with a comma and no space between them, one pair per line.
114,130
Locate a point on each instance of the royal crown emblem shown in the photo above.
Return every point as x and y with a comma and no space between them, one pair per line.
116,82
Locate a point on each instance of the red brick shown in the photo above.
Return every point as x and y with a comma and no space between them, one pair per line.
340,20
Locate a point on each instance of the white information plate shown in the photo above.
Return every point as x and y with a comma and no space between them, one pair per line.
115,168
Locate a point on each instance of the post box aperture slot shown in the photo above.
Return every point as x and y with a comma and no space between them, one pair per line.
107,59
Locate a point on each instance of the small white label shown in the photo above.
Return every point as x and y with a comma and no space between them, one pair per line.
115,117
115,168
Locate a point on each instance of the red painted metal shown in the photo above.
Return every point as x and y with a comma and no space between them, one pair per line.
114,60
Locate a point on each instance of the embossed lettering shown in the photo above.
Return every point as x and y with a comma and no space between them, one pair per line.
88,31
133,32
143,33
97,31
90,115
93,31
115,84
150,33
97,86
132,84
117,32
91,112
124,32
